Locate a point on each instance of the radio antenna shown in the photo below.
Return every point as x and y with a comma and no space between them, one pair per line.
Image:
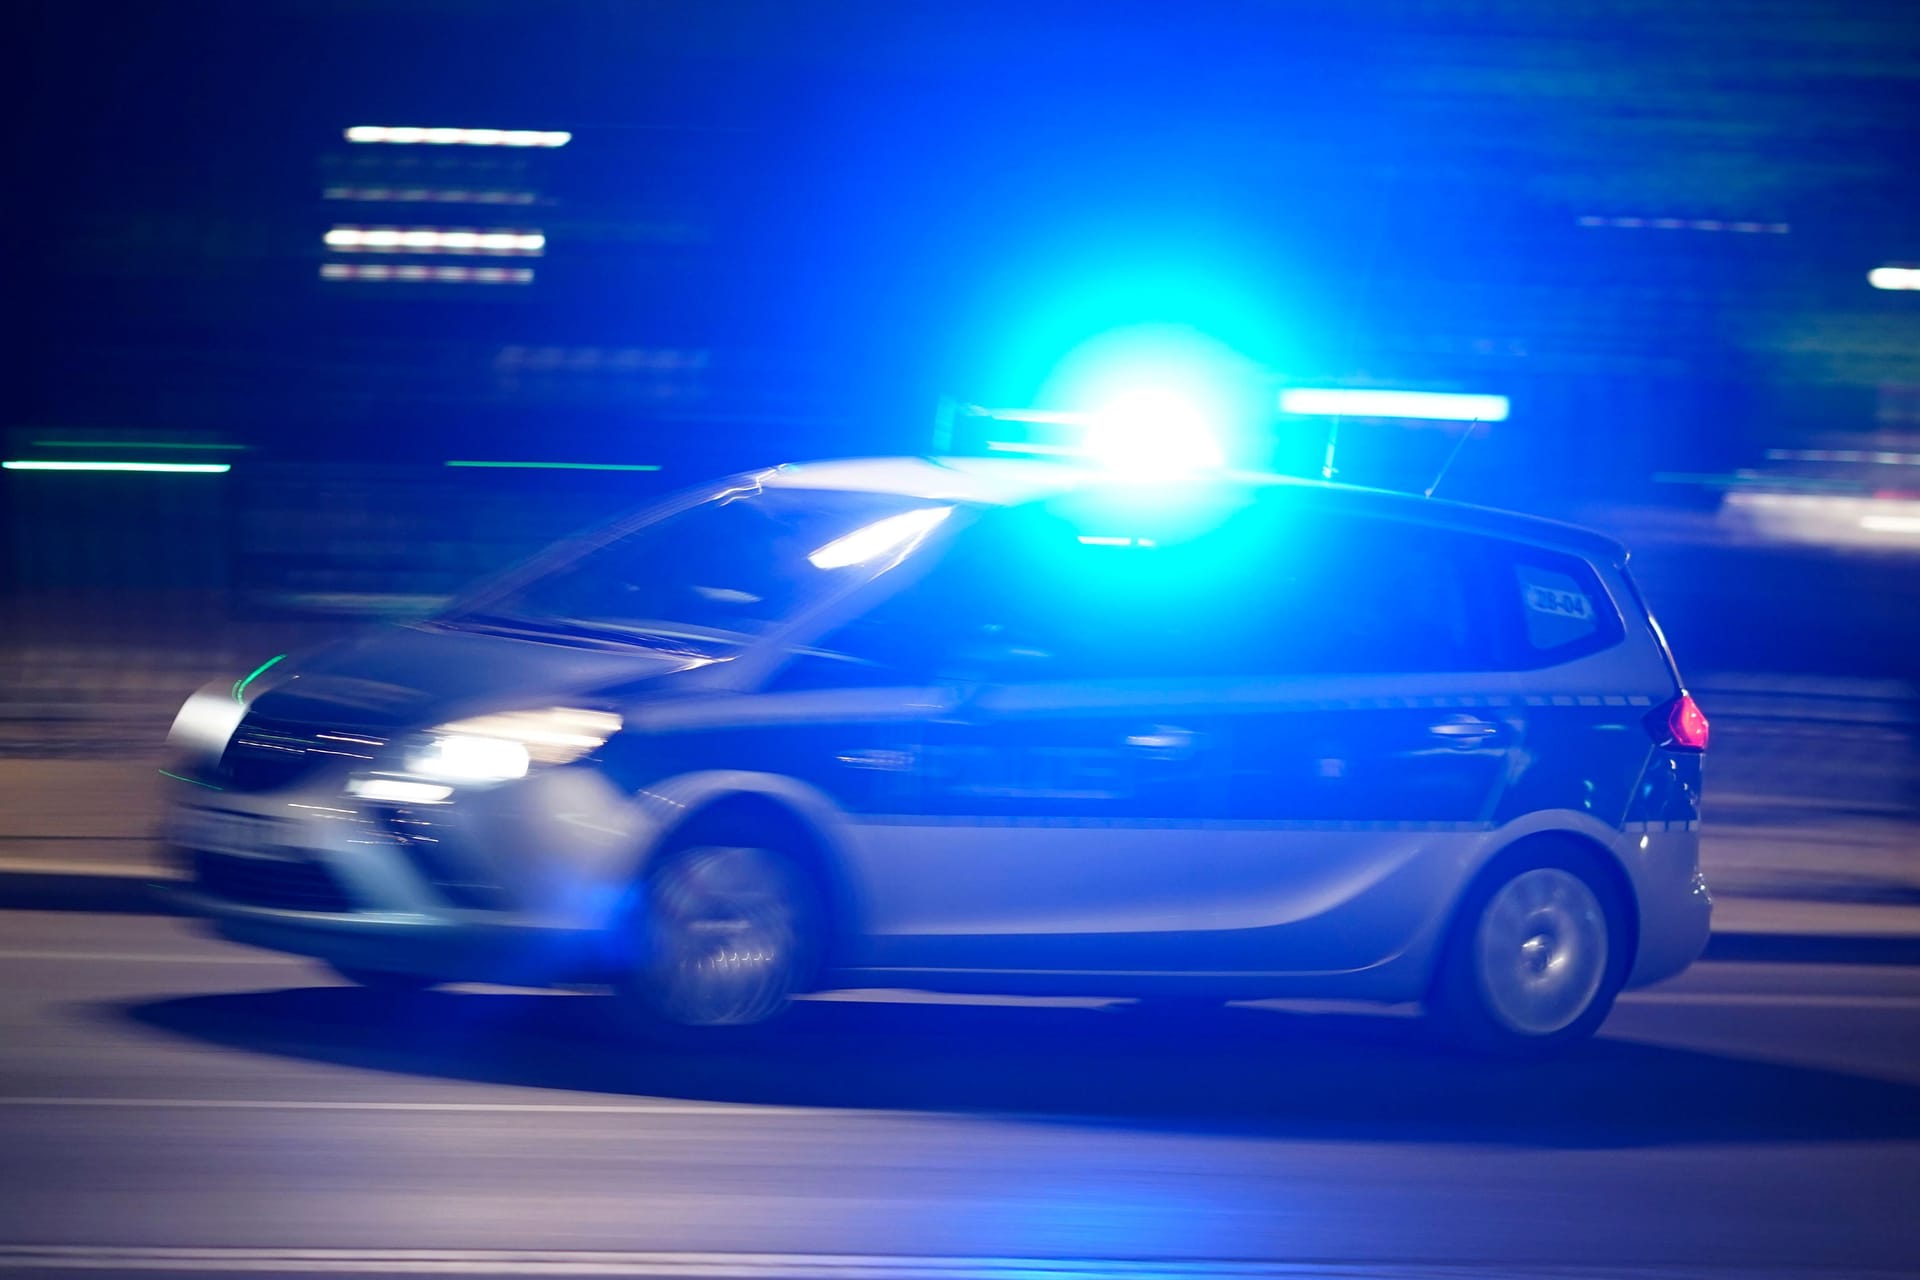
1458,445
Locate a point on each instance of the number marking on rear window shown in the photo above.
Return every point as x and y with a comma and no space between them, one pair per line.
1561,604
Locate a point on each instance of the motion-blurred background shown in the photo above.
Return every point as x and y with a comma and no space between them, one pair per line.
393,292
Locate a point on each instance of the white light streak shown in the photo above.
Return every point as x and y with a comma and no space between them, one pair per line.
441,137
419,272
1741,227
1362,403
187,468
477,240
426,195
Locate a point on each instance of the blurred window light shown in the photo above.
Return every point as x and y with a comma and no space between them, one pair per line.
426,195
415,272
187,468
555,466
1114,540
1742,227
893,535
1438,406
1886,456
441,137
1894,277
1891,524
435,240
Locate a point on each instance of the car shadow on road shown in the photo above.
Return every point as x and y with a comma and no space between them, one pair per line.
1253,1071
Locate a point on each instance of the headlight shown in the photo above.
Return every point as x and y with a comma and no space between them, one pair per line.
502,747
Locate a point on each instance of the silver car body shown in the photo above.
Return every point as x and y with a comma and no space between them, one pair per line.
1033,883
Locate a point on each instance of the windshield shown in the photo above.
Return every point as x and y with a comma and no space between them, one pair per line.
731,566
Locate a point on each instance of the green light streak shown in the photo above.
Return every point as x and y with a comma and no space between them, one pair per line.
563,466
190,781
135,444
240,685
190,468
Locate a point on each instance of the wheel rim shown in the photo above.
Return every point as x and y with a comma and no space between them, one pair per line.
1542,948
723,938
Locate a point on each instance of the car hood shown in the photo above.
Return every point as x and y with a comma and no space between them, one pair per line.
403,677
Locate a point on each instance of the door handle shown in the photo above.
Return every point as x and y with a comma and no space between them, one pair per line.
1466,731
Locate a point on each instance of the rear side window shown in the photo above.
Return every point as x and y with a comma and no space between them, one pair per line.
1559,607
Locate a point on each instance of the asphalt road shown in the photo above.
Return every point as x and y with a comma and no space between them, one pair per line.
169,1103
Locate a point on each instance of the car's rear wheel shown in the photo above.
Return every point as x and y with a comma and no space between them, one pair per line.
725,937
383,980
1536,955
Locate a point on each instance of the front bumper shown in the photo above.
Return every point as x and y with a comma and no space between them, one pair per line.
446,950
525,883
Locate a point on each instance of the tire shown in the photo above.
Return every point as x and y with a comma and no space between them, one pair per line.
725,936
383,980
1535,956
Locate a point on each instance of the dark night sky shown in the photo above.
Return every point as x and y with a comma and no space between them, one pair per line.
849,205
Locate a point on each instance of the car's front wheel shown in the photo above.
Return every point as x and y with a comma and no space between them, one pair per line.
1536,955
725,937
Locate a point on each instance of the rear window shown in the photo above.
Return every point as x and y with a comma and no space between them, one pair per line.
1562,610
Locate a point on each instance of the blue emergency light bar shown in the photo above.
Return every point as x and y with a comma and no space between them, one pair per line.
1145,434
1368,402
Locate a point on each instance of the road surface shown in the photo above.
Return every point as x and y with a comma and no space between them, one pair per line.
173,1104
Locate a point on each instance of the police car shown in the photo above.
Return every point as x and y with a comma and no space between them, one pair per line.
986,725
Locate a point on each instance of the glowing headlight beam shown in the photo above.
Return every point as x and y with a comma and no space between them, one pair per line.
505,746
1437,406
406,135
892,535
399,790
1894,277
465,757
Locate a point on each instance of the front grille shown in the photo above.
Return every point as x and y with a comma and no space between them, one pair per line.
289,884
266,755
456,876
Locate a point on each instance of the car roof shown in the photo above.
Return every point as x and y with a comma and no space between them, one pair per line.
1008,482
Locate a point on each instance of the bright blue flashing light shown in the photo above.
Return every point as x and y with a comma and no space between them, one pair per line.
1441,406
1154,432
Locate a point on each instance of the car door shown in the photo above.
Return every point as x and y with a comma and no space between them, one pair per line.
1166,758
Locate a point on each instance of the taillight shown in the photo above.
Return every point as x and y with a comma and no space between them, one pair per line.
1681,725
